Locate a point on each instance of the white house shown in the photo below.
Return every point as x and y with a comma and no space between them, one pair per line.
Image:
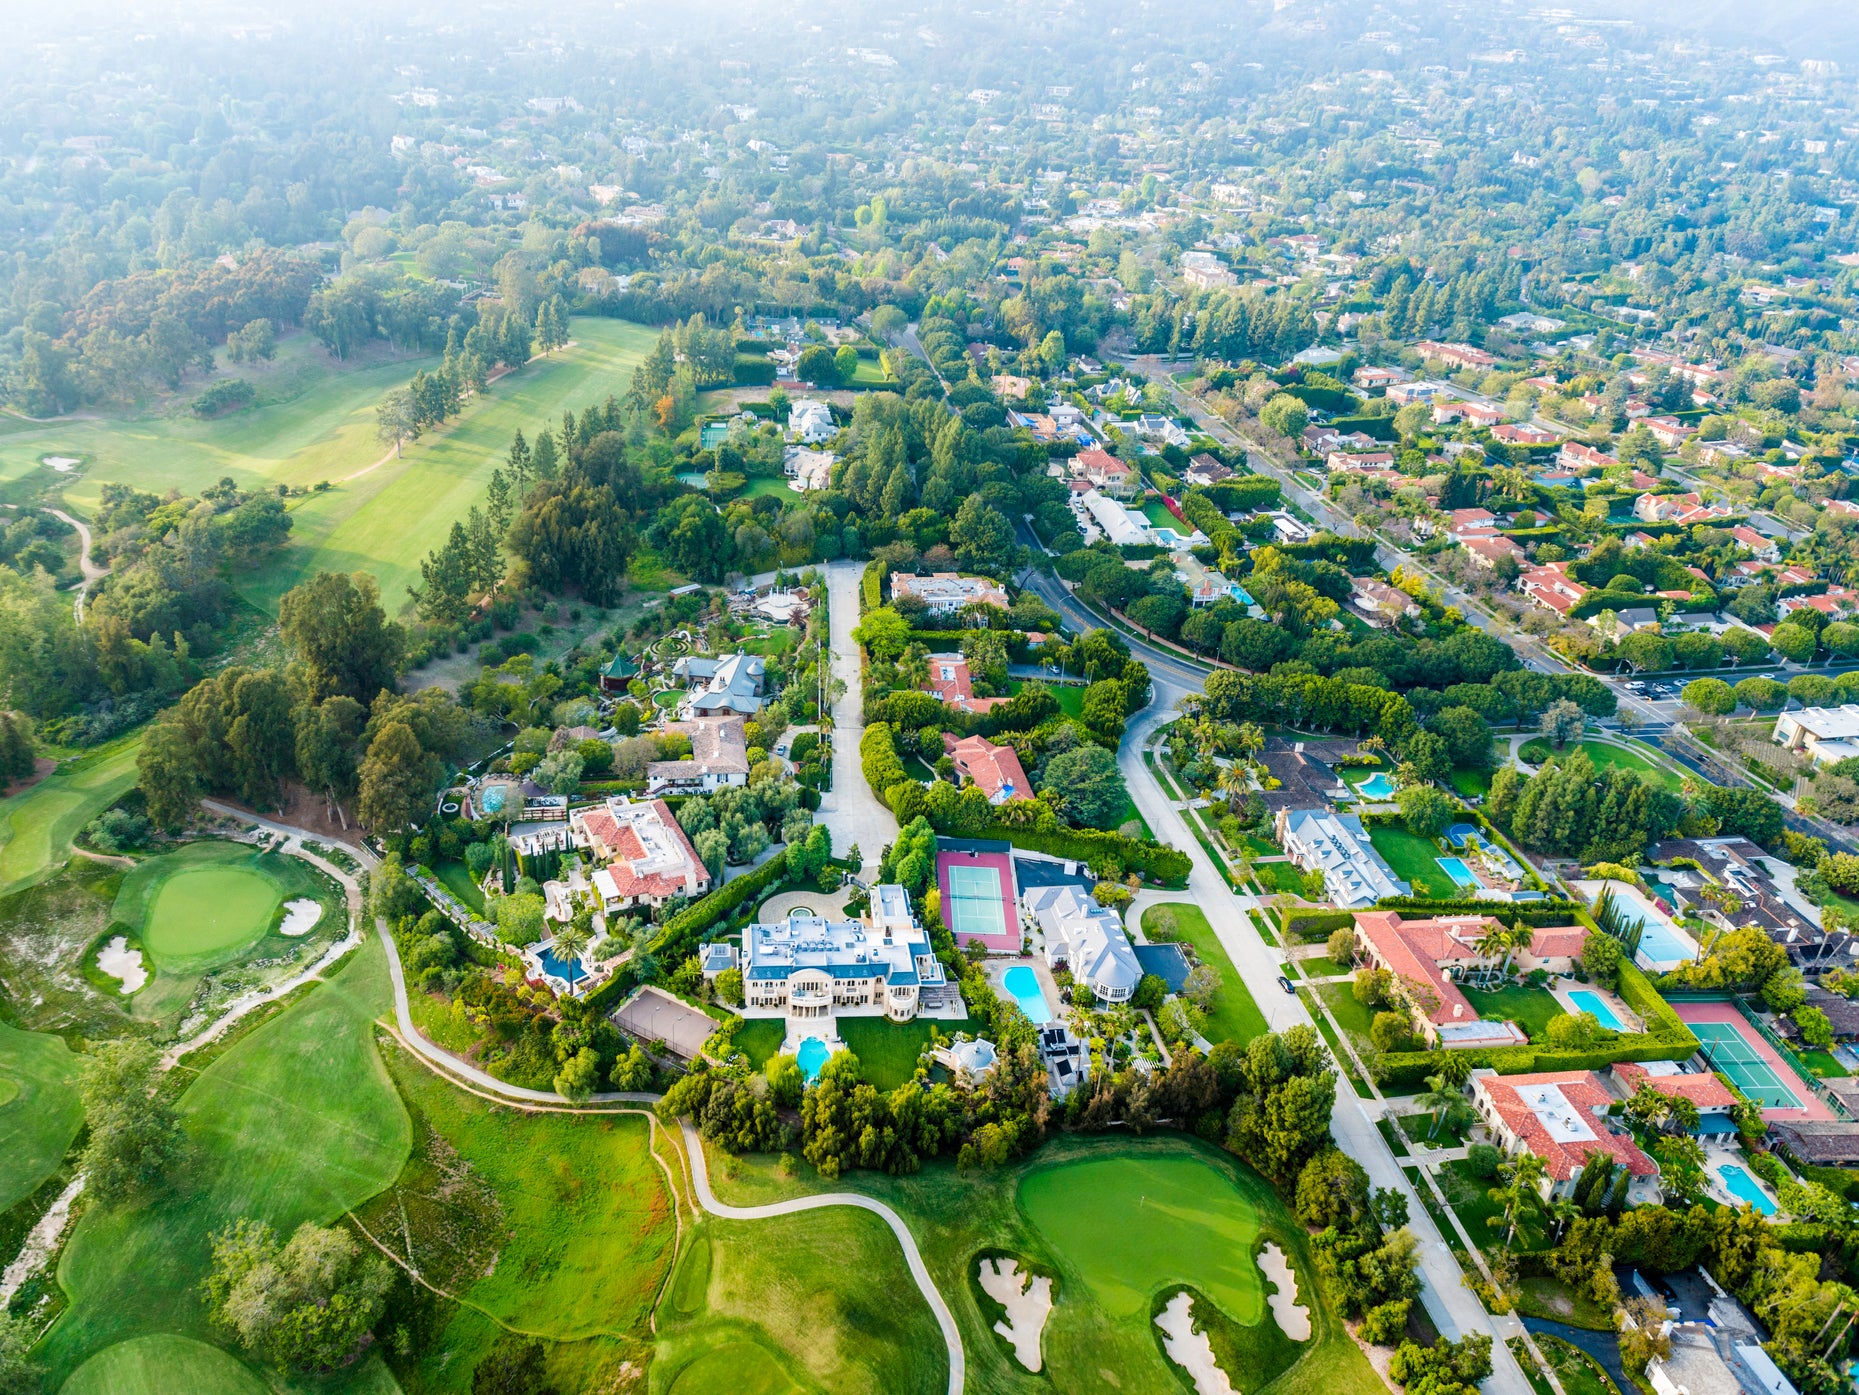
1827,734
812,422
1087,939
1337,845
944,593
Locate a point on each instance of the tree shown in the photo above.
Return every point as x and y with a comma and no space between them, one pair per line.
1642,1333
135,1135
559,772
571,942
1711,696
514,1366
1562,722
306,1305
1518,1193
169,776
1762,694
397,420
1052,352
580,1073
1794,641
1085,786
1425,810
19,1373
982,538
1285,414
1573,1031
398,779
1438,1097
334,624
816,365
1816,1028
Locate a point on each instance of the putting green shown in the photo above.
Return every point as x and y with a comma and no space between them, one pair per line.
737,1366
208,910
161,1364
1181,1223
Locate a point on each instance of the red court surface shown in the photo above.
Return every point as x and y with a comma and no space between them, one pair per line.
981,907
1767,1064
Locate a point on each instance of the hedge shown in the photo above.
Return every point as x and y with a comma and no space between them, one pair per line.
1088,845
879,760
871,594
1354,554
1319,925
753,371
678,937
1532,913
1381,428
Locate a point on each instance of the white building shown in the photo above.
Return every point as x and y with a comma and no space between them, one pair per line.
719,756
944,593
809,469
1122,526
1825,733
812,422
1084,937
722,686
1354,874
809,969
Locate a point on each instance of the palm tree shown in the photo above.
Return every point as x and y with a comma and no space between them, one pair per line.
571,941
1438,1097
1250,739
1524,1172
1492,942
1521,936
1564,1210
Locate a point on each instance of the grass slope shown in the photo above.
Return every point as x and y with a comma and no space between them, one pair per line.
956,1217
298,1121
162,1364
39,1109
37,826
1236,1017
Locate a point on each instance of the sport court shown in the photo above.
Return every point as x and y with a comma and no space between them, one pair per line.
978,898
1749,1062
652,1014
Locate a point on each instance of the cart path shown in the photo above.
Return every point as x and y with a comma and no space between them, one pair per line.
700,1183
92,572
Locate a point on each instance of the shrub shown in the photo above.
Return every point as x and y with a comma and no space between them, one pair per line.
1482,1159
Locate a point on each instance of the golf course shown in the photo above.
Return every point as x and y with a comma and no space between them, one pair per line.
38,824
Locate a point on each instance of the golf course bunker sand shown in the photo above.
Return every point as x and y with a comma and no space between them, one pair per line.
1292,1317
123,964
64,464
300,916
1028,1301
1191,1350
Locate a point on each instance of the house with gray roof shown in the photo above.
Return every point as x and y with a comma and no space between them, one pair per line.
1337,845
1087,939
719,687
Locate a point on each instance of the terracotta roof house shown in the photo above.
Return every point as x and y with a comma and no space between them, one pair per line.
1561,1116
1524,435
1380,599
1472,523
1488,552
995,769
1430,953
1712,1097
1575,454
648,857
950,681
1551,587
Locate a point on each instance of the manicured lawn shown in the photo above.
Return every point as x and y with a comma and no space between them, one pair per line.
160,1364
1321,967
759,1038
1470,1197
1471,782
37,826
1051,1209
211,902
1545,1296
1607,757
1823,1065
1278,876
456,878
1529,1008
1579,1372
1414,860
1236,1017
1420,1128
39,1109
1157,513
1351,1014
297,1121
888,1050
572,1209
1070,696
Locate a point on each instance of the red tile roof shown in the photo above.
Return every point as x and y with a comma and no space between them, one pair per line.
1564,1158
993,768
1705,1091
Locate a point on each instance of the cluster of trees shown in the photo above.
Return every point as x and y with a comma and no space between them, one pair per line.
1571,809
307,1304
735,825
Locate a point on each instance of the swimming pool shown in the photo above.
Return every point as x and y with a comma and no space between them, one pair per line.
1743,1187
1455,868
1460,832
1377,786
1661,945
1593,1002
558,968
1023,984
812,1055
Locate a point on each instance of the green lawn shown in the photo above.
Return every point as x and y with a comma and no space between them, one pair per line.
1471,782
1822,1064
759,1038
1529,1008
888,1050
456,878
1236,1017
1414,859
569,1215
1607,757
1351,1014
162,1363
36,827
1157,513
1321,967
210,903
1051,1209
1470,1197
1579,1372
297,1121
1543,1295
39,1109
1421,1129
1070,696
1278,876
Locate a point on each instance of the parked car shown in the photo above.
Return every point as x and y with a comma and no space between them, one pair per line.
1286,984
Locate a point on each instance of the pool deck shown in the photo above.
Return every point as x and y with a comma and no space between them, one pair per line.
1812,1107
1048,987
1008,940
1562,988
1715,1158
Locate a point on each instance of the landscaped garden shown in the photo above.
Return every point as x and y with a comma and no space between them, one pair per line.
1235,1016
1415,860
1529,1008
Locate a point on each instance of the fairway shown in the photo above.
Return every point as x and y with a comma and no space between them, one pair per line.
36,827
161,1365
207,910
39,1109
1179,1222
731,1366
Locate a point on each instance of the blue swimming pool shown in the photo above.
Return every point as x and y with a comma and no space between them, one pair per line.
558,967
1595,1003
1455,868
1743,1187
1377,786
1459,832
1023,984
1661,945
812,1055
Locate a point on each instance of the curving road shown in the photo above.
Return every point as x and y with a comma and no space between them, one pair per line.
700,1182
92,572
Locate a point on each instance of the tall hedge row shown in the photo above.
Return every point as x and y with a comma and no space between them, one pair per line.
879,760
679,936
1096,849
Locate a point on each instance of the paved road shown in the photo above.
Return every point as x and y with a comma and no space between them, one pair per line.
1455,1308
92,572
700,1182
850,810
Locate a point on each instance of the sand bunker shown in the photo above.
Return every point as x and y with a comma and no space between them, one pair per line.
1028,1301
1292,1317
1191,1350
64,464
300,916
124,964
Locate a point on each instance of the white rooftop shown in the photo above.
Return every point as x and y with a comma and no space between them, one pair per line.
1829,723
1554,1112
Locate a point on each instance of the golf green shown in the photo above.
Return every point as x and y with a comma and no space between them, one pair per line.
162,1363
209,909
734,1366
1178,1221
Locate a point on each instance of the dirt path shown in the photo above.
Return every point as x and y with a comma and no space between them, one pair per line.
92,572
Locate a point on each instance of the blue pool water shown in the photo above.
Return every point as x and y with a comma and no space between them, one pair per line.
552,964
1661,946
1023,984
1456,869
1595,1003
492,802
813,1054
1377,786
1740,1185
1459,832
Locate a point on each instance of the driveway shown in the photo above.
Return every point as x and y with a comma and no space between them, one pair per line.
850,810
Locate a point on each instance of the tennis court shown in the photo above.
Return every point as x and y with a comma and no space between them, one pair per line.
977,898
1729,1051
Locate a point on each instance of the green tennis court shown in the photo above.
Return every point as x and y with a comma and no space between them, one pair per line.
1729,1051
975,905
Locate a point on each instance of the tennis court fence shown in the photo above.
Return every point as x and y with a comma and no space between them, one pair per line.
1806,1076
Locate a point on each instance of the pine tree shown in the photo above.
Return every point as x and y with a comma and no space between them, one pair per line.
519,461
